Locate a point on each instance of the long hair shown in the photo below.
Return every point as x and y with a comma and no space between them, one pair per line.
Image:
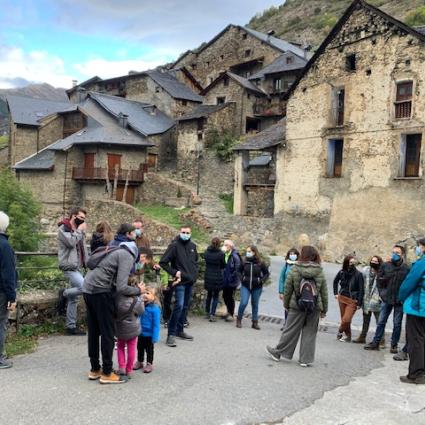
309,254
105,230
254,249
154,291
346,262
380,260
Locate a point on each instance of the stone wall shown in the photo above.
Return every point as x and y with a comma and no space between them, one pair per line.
4,156
260,201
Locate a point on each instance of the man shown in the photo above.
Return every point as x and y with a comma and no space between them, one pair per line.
180,260
142,240
412,294
389,280
8,284
72,256
107,279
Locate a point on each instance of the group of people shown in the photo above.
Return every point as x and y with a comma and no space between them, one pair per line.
124,313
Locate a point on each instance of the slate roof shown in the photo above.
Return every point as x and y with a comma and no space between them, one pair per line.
261,160
175,88
280,65
29,111
246,83
202,111
139,114
268,138
43,160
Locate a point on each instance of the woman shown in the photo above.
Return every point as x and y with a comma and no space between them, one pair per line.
102,236
290,259
348,290
371,300
231,278
307,274
214,262
254,274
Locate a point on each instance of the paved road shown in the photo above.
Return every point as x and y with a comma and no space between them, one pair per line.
222,378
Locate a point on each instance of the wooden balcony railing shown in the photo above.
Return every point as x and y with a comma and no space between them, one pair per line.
93,174
403,109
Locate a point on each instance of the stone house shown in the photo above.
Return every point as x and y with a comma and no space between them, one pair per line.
175,92
351,170
237,49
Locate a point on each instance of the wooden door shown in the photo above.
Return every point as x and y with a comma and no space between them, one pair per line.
129,199
89,160
152,160
113,161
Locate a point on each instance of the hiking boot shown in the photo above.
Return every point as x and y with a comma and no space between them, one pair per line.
401,356
271,352
228,318
212,319
184,335
394,349
75,331
420,380
61,306
113,378
372,346
94,374
148,368
360,340
255,325
5,363
138,365
171,341
345,339
238,323
382,343
407,380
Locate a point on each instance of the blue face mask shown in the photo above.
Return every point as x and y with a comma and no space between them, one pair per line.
395,258
138,233
249,254
293,257
418,251
184,236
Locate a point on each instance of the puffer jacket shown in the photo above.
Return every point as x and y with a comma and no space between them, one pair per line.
412,290
8,274
72,251
214,261
254,273
308,270
127,323
231,277
390,278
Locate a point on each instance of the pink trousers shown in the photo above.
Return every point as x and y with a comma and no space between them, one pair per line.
131,353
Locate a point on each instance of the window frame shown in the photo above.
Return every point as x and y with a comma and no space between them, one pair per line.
398,102
332,156
402,172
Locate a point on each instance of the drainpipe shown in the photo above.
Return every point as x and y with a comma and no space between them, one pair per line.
64,183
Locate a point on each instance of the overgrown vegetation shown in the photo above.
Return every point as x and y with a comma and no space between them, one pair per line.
227,201
416,17
325,21
221,142
4,141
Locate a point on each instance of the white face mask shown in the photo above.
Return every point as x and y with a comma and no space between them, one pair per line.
293,257
224,249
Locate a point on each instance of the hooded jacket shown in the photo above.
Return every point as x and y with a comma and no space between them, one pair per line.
412,290
150,321
128,311
8,275
181,256
72,251
284,274
214,261
308,270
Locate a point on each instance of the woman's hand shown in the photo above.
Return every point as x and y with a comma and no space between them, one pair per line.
336,297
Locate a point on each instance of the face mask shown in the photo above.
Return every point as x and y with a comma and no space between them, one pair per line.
138,233
184,236
249,254
78,221
351,266
418,251
293,257
223,249
395,258
374,266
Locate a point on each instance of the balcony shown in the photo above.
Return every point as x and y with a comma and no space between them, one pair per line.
403,109
100,174
265,108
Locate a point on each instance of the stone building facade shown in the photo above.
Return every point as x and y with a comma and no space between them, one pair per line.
352,161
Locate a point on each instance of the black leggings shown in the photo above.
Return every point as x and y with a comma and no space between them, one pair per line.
144,343
167,298
229,299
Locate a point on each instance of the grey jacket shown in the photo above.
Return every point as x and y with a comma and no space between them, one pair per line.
112,273
127,323
72,251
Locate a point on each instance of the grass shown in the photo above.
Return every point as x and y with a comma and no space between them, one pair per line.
4,141
227,201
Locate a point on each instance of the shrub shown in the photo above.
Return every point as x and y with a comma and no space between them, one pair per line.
416,17
221,142
325,21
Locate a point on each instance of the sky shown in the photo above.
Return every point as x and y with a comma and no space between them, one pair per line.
57,41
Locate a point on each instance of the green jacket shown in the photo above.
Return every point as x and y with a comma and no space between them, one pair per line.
292,285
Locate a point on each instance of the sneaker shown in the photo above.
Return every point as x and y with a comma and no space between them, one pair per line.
186,324
94,374
228,318
165,325
305,364
5,363
339,336
61,306
401,356
271,352
372,346
207,316
394,349
74,331
382,343
171,341
345,339
212,318
120,372
138,365
113,378
407,380
184,335
420,380
148,368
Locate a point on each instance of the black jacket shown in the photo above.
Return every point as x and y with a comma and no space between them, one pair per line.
254,273
181,256
8,276
214,262
351,285
390,278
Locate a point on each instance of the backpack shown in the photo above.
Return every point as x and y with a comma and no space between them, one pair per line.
99,254
307,299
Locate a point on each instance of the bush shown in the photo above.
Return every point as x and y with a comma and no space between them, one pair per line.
416,17
325,21
227,201
221,142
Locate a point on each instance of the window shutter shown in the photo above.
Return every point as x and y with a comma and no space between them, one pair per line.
331,158
402,168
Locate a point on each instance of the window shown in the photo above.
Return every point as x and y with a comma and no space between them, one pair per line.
157,89
225,81
289,59
221,57
277,84
207,63
338,106
403,103
184,102
247,52
244,36
410,155
193,65
221,100
350,62
335,149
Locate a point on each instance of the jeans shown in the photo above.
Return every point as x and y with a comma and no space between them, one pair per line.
211,302
229,300
255,295
4,316
128,364
182,299
383,317
76,281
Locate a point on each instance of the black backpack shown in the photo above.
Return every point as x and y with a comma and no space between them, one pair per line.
99,254
307,299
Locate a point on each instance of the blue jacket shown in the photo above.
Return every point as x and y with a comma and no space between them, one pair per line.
412,290
151,321
231,277
8,277
283,275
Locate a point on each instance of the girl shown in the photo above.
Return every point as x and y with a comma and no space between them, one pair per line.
128,310
301,322
150,322
254,274
214,261
348,290
290,259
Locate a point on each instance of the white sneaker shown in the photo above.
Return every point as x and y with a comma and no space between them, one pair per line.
305,364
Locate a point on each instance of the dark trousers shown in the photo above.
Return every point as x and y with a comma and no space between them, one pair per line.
167,297
100,324
366,321
144,343
182,300
229,300
211,302
415,333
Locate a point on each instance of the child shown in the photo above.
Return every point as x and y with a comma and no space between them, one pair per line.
128,310
150,323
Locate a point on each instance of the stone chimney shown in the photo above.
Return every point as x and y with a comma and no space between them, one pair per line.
123,120
81,94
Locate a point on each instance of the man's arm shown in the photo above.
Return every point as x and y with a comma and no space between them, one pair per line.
70,239
414,277
165,261
125,264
